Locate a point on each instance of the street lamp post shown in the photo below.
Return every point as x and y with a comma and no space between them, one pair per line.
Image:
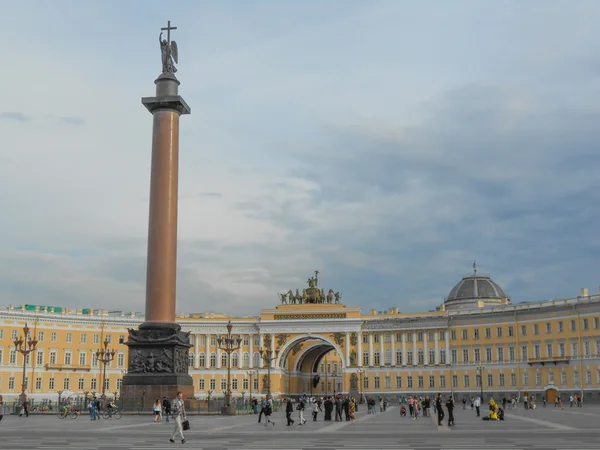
334,375
229,344
268,355
361,371
25,345
481,368
105,356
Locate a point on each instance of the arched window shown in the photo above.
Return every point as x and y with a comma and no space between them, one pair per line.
213,360
388,356
256,359
376,358
398,357
421,356
224,360
234,360
201,360
246,359
365,358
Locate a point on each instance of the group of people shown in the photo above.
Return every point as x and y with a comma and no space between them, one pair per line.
420,406
266,408
417,406
340,407
161,409
372,405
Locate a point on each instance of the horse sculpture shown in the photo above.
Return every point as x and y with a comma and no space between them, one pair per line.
330,296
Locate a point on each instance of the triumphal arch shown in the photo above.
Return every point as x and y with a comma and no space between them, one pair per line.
310,327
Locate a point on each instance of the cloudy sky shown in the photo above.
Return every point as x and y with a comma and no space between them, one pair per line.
387,144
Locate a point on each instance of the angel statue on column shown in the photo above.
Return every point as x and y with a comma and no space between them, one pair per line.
169,55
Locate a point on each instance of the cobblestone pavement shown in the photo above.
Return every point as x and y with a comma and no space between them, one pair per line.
543,428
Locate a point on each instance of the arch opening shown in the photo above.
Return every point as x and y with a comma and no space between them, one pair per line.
313,365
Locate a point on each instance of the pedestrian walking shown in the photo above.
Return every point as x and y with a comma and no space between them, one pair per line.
450,407
166,408
178,410
269,408
263,405
289,410
439,409
157,408
315,411
301,407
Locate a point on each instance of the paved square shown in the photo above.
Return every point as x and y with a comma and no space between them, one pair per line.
543,428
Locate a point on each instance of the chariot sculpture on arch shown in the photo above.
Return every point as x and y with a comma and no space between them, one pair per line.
311,294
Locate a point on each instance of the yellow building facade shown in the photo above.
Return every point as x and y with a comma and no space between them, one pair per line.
477,339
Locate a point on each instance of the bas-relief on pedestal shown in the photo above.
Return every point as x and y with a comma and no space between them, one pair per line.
158,361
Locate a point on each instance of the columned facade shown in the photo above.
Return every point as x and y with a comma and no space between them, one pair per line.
326,348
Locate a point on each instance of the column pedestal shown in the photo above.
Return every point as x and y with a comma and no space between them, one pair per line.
158,365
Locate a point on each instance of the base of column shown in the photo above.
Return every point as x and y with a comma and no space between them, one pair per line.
157,367
132,394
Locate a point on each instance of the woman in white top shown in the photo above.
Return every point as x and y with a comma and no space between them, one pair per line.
157,408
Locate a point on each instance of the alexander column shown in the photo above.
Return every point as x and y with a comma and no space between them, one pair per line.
158,350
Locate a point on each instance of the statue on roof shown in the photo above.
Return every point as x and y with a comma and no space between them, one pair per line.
283,298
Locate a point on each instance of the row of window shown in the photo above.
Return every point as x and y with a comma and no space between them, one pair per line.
499,332
489,356
81,385
539,351
419,335
410,336
501,379
53,358
410,381
96,338
212,384
536,329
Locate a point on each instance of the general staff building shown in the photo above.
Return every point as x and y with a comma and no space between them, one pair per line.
477,340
